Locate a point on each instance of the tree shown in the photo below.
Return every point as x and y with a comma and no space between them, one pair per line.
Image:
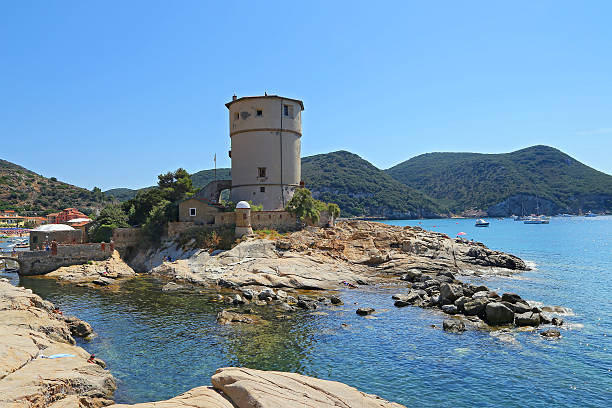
304,206
110,217
334,211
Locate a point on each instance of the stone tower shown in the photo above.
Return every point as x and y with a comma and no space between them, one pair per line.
265,133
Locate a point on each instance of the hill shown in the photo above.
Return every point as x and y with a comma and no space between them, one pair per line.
121,194
27,192
203,177
359,188
508,183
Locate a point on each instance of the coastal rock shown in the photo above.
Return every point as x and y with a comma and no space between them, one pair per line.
101,273
227,317
460,303
29,331
450,309
364,311
248,388
497,313
171,287
527,319
450,292
475,307
200,397
556,321
335,300
511,297
551,333
408,299
453,326
78,327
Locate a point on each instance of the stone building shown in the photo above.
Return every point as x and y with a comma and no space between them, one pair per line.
198,211
60,233
265,133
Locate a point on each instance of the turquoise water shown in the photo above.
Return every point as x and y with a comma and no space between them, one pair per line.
159,344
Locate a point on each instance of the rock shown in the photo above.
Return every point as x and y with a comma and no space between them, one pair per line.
171,287
248,388
237,300
335,300
480,294
556,321
527,319
545,318
520,307
551,333
450,292
511,297
281,294
453,326
364,311
29,329
554,309
224,283
291,300
267,294
200,397
450,309
249,294
497,313
481,288
226,317
306,304
461,302
412,275
286,307
103,281
408,299
78,327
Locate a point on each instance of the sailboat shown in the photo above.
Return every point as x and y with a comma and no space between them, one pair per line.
537,219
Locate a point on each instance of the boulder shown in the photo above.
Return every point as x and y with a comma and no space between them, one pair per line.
527,319
461,302
551,333
412,275
450,309
450,292
453,326
237,300
520,307
335,300
171,287
227,317
248,388
408,299
249,294
556,321
497,313
267,293
511,297
306,304
78,327
364,311
475,307
101,281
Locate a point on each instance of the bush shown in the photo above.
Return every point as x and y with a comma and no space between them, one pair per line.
208,238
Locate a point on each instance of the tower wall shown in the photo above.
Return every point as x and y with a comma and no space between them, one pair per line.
266,143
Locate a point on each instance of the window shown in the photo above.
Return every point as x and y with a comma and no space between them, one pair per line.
261,171
236,116
192,212
262,189
259,112
288,110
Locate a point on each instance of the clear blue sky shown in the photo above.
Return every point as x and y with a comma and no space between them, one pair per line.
112,93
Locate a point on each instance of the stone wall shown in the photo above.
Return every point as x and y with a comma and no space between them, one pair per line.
42,262
126,237
39,239
279,220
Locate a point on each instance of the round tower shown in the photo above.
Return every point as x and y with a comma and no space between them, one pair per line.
265,133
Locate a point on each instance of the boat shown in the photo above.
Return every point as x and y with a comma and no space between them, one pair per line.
590,214
481,223
537,219
520,218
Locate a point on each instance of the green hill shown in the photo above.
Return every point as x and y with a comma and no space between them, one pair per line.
203,177
503,184
30,193
359,188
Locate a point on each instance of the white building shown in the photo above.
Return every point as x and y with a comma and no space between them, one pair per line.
265,132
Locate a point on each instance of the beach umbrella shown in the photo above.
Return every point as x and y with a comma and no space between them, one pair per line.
461,233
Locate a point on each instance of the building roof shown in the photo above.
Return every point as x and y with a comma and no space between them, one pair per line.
77,220
265,96
54,227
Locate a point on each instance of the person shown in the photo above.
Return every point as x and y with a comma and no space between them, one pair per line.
91,359
169,259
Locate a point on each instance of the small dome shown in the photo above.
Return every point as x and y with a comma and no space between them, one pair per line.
75,220
54,227
243,204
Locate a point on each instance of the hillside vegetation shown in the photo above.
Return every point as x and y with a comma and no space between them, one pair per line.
359,188
508,183
28,193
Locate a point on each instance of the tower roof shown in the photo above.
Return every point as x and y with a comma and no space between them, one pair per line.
265,96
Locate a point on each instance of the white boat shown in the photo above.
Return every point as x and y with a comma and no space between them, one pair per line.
537,219
481,223
590,214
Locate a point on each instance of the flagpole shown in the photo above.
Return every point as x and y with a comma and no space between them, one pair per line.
215,166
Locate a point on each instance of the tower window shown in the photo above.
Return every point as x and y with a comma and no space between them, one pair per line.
259,112
288,110
192,212
236,116
262,189
261,171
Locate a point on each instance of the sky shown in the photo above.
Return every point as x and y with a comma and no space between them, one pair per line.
113,93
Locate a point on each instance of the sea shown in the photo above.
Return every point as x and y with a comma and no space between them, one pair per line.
158,344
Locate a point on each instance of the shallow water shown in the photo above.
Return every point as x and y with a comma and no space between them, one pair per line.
158,345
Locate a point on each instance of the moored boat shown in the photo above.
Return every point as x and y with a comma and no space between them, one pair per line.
537,219
481,223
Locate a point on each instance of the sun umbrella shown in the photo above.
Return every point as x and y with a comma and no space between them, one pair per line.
461,233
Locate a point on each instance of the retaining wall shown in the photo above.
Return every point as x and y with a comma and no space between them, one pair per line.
42,262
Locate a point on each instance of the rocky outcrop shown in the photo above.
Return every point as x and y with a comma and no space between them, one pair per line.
353,253
39,364
234,387
97,273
